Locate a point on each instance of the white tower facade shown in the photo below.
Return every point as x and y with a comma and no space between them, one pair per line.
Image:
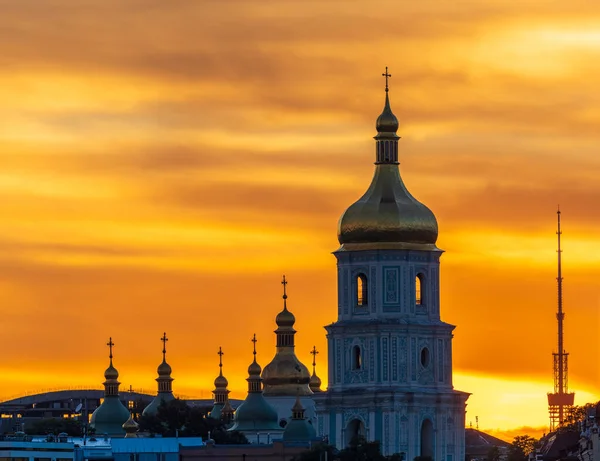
389,352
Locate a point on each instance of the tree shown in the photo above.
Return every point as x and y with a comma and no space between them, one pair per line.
177,417
317,453
55,426
361,450
493,454
521,447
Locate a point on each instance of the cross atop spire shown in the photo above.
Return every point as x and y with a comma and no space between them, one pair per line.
220,354
110,345
387,76
164,340
284,283
314,353
254,340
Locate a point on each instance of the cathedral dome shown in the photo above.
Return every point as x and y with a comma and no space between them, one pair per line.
110,416
387,216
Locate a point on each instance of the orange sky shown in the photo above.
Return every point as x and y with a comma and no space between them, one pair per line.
162,164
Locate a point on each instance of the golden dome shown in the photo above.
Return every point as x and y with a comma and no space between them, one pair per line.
286,375
387,216
387,121
315,383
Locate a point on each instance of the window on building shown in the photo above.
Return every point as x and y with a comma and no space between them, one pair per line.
361,290
419,285
356,358
425,357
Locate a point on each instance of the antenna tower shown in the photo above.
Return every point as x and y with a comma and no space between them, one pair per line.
560,401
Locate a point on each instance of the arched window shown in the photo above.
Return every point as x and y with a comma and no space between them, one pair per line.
419,285
361,290
356,358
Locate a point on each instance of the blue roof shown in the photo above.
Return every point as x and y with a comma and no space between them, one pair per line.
154,444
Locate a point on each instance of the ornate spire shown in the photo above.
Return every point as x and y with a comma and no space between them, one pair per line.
387,216
131,428
315,381
298,409
111,375
387,125
221,382
164,369
285,374
285,319
254,379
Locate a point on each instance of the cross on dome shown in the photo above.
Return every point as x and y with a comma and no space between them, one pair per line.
220,354
314,353
386,75
164,340
254,340
110,345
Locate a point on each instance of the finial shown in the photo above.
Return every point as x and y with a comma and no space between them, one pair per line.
284,283
386,75
110,345
314,353
164,340
254,340
220,354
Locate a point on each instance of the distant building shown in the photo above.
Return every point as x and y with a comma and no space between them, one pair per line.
478,445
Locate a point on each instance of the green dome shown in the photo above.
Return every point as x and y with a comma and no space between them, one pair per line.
111,372
152,408
215,413
255,414
299,430
109,417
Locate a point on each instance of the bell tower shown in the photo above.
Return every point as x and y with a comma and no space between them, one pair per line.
390,354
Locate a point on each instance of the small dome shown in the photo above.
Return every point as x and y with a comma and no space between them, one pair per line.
164,369
254,369
131,427
285,318
111,372
387,121
221,382
315,383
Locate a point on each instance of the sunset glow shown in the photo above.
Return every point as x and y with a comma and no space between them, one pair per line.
161,166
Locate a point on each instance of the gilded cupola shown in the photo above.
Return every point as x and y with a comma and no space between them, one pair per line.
387,216
164,380
285,375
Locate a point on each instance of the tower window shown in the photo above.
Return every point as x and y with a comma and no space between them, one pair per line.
425,357
361,290
356,358
419,289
